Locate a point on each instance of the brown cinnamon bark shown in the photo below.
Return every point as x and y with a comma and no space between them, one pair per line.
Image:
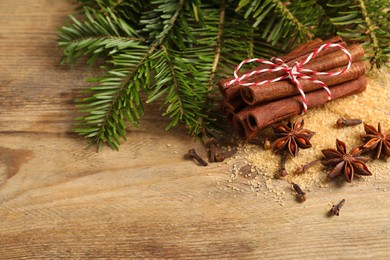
233,90
230,107
234,104
277,90
335,59
260,116
240,122
307,47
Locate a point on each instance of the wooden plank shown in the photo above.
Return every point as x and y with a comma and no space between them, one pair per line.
59,199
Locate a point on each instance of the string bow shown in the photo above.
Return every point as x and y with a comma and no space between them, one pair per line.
293,73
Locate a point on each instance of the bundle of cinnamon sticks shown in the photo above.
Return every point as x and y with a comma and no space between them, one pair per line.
252,108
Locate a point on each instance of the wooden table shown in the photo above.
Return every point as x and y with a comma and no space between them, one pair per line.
59,199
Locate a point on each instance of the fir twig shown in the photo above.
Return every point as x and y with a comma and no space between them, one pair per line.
279,19
375,44
355,22
217,52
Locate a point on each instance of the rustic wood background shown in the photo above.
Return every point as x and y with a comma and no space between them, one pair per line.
59,199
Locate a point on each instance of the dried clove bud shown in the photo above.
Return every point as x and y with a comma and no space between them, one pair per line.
301,196
341,122
267,144
257,141
192,154
335,210
215,154
282,172
304,168
212,153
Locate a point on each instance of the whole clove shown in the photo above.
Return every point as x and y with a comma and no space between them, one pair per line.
282,172
219,150
335,210
215,154
267,144
301,195
212,153
341,122
193,155
257,141
304,168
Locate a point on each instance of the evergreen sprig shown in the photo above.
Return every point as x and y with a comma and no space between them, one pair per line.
366,22
98,34
176,50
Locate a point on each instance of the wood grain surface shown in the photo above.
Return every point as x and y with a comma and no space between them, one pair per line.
61,200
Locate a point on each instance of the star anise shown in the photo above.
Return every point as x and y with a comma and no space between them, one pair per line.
345,163
291,137
376,141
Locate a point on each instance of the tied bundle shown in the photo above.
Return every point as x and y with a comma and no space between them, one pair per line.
309,76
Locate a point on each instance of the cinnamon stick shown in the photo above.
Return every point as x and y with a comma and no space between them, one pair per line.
277,90
335,59
230,107
240,122
308,47
234,104
260,116
233,90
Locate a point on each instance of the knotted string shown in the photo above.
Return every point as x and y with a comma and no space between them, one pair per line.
293,73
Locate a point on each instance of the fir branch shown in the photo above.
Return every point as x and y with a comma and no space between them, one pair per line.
128,10
234,49
278,20
96,36
354,22
114,99
217,52
185,97
378,57
303,30
117,95
184,81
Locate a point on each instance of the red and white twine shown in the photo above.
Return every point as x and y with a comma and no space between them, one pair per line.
293,73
